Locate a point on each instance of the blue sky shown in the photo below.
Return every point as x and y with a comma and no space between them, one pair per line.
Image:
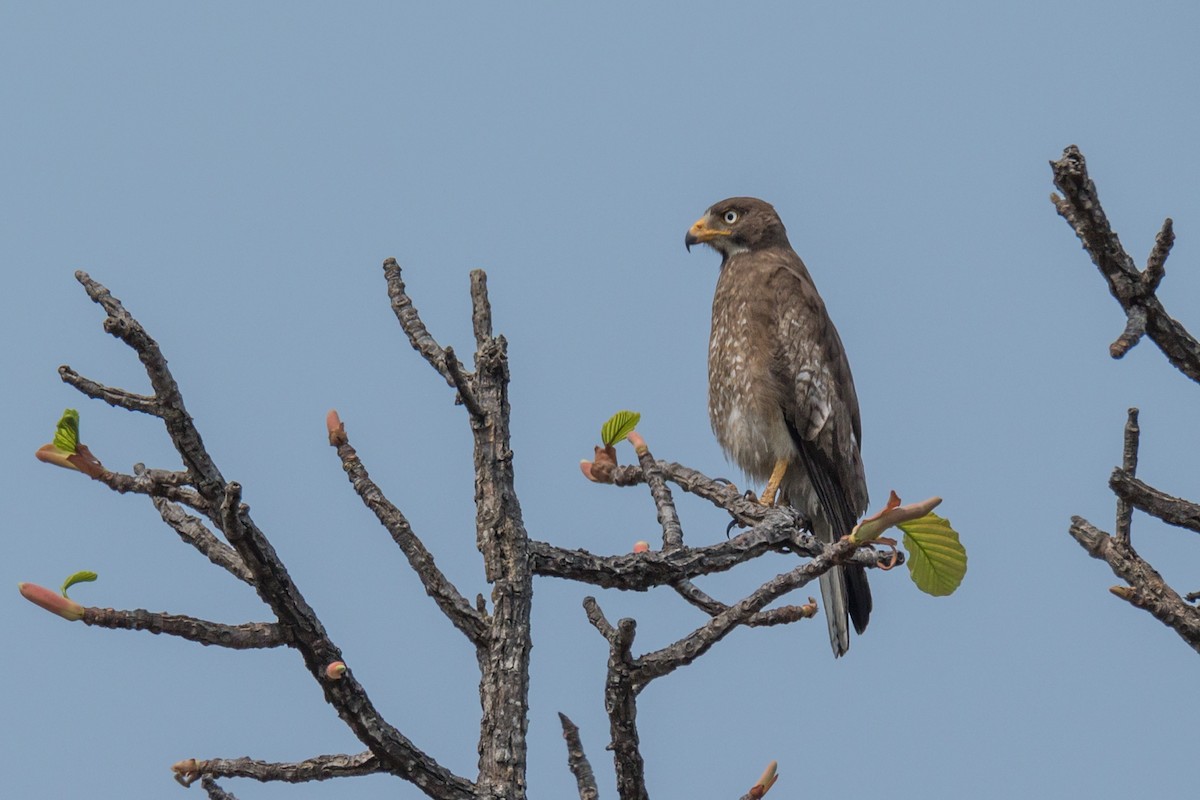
237,173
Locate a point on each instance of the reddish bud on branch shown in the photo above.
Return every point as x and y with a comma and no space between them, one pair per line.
52,601
337,431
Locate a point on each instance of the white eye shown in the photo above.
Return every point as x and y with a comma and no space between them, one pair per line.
731,217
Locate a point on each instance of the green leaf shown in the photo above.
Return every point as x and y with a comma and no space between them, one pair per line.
83,576
937,561
66,435
619,425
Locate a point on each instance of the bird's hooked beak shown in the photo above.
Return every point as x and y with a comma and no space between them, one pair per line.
702,232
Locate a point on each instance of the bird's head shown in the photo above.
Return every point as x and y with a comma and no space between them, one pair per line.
737,225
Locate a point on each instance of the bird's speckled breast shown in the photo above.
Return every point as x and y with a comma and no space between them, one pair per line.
743,396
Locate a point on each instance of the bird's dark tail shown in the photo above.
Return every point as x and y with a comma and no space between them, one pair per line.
845,596
844,590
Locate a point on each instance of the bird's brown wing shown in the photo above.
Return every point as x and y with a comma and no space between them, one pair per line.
820,407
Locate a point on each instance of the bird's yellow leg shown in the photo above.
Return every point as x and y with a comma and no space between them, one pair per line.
770,493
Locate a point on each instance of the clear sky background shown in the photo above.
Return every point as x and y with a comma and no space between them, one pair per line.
237,173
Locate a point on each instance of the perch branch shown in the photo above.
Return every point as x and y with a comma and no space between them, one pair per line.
643,571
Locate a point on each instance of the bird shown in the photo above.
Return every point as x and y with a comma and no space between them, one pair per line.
781,397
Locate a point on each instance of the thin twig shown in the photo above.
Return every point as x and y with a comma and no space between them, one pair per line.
695,644
775,616
145,404
668,517
193,531
156,483
451,602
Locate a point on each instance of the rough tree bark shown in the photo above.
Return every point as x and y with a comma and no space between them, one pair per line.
1136,291
205,511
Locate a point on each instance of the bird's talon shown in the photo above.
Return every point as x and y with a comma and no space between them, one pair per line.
895,555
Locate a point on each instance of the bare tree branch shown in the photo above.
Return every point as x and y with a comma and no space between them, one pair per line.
720,493
668,517
1134,290
643,571
317,768
410,321
118,398
193,531
481,308
449,600
214,791
1139,495
689,648
121,324
461,382
1147,590
775,616
347,696
157,483
1129,465
577,760
248,636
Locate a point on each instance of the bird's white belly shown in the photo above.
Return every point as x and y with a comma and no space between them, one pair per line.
755,441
